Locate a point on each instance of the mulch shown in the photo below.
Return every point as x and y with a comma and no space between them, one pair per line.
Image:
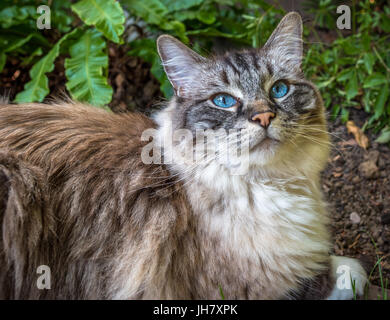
359,199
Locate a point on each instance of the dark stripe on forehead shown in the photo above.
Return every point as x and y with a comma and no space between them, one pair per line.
255,59
225,78
241,61
229,63
270,69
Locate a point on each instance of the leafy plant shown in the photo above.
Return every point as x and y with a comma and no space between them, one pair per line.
354,71
84,41
86,80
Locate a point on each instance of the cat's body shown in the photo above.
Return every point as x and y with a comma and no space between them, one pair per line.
94,219
79,198
110,227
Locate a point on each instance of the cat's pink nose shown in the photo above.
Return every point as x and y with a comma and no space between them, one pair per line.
264,118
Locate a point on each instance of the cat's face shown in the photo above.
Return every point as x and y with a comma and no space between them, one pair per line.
262,92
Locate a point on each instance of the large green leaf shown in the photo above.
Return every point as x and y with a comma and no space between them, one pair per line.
174,5
85,69
17,14
10,43
152,11
374,80
106,15
38,87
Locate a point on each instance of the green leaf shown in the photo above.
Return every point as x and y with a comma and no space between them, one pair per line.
3,59
174,5
85,70
380,101
344,115
13,43
206,16
369,61
213,32
352,86
325,83
374,80
185,15
37,52
345,74
384,137
106,15
17,14
335,111
177,27
385,22
38,87
152,11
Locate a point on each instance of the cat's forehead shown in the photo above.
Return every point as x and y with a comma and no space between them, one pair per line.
246,70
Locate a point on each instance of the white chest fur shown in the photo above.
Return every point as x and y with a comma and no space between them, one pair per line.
277,224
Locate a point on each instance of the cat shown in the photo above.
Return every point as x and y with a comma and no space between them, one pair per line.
77,196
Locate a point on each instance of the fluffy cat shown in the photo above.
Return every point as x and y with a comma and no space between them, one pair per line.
76,194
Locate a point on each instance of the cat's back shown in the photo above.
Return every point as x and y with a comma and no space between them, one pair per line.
103,204
44,133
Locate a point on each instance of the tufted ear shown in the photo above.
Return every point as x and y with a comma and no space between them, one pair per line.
181,64
285,43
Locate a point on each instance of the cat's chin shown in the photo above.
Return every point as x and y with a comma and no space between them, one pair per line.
267,144
264,151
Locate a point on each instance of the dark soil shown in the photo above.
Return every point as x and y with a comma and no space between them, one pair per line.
348,190
354,194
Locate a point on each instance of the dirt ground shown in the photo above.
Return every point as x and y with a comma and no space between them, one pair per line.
355,182
356,186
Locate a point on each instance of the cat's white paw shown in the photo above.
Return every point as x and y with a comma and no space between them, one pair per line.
345,272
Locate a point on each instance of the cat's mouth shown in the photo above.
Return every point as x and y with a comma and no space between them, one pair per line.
267,143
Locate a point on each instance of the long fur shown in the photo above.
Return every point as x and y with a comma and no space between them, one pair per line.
76,195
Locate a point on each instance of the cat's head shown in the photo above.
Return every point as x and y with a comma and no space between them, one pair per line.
262,92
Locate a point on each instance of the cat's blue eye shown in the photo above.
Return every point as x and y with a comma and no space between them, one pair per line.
224,101
279,90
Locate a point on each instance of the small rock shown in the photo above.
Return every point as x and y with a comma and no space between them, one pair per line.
119,80
376,234
111,52
354,217
385,219
381,163
373,155
132,63
149,89
368,169
356,179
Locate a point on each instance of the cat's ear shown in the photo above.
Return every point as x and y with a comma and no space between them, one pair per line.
285,43
181,64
